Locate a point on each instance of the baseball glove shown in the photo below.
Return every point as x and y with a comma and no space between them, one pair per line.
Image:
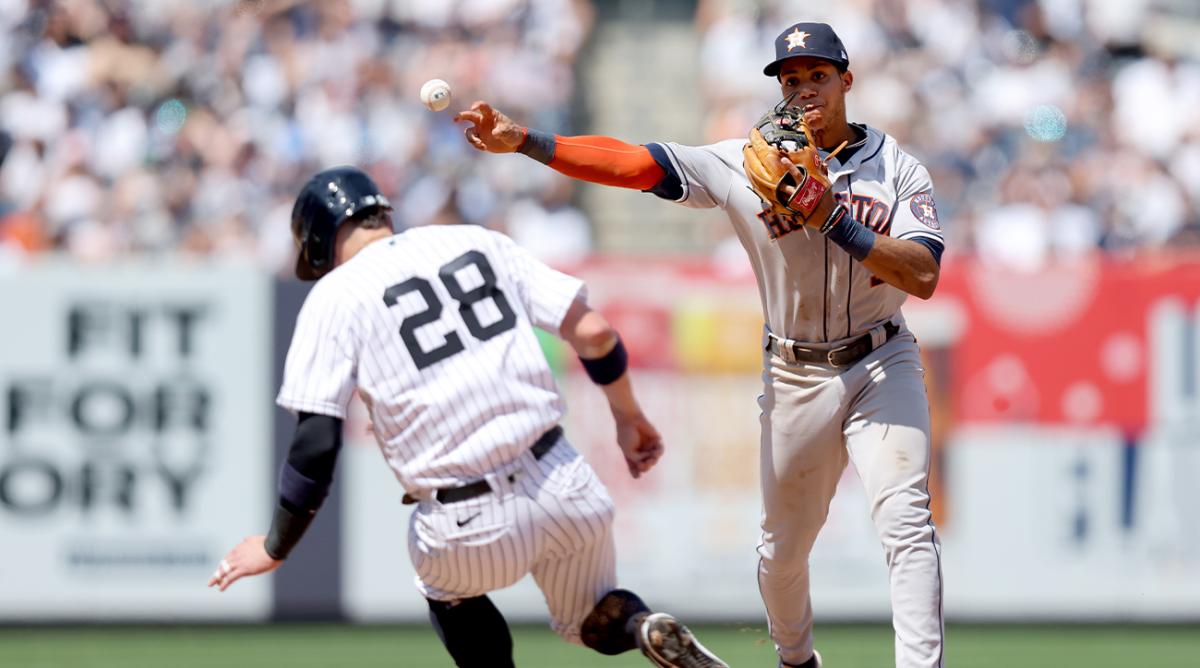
782,132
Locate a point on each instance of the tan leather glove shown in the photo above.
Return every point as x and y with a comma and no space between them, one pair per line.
782,132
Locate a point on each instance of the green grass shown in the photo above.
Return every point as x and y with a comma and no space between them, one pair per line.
305,646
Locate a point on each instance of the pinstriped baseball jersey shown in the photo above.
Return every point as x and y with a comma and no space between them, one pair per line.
432,326
884,188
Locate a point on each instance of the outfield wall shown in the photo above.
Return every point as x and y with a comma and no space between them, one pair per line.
139,441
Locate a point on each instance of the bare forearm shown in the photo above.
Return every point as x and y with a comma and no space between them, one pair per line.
903,264
621,399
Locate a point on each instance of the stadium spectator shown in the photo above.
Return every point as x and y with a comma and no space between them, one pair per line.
175,125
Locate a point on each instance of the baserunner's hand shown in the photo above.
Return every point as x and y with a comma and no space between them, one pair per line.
490,130
248,558
640,443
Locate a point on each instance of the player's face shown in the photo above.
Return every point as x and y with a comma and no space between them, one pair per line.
820,90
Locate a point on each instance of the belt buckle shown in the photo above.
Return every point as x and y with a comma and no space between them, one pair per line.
833,351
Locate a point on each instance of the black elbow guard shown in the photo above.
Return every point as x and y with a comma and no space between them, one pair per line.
609,368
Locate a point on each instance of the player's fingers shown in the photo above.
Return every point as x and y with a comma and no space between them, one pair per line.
469,116
483,108
230,578
473,138
218,575
649,456
653,447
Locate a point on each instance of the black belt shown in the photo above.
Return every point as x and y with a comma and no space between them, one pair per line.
480,487
842,356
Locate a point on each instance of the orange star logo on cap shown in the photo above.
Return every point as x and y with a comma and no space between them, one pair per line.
796,38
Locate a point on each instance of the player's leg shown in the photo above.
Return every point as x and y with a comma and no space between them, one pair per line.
473,631
577,573
802,459
887,436
577,563
460,552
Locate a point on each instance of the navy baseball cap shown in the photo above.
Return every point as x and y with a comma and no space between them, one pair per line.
815,40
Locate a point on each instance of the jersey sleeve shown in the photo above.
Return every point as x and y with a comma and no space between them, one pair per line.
545,293
319,375
916,213
696,176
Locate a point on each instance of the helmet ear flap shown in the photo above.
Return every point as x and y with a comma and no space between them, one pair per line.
315,253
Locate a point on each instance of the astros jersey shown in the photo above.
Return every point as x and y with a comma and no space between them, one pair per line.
432,327
811,289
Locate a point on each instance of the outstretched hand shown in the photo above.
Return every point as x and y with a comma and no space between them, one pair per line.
490,130
640,443
248,558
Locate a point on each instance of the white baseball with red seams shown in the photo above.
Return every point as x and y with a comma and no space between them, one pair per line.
435,94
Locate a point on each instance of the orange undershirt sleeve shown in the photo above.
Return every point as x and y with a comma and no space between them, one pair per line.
607,161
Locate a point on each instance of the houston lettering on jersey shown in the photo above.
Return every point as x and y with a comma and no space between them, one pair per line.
811,290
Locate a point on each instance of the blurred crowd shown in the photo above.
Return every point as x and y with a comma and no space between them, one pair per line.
1052,128
151,126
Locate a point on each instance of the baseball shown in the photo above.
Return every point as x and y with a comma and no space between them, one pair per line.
435,94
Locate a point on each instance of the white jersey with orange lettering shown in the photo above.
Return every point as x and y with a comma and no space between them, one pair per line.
434,329
843,379
811,289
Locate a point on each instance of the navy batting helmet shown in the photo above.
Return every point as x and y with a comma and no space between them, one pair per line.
329,199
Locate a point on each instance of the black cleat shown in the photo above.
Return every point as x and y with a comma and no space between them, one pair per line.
814,662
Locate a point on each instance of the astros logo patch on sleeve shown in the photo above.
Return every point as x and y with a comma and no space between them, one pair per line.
924,210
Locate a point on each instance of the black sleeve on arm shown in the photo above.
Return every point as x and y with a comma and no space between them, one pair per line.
670,187
934,247
316,445
304,480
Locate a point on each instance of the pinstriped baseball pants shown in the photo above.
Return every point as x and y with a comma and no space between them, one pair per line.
815,418
553,520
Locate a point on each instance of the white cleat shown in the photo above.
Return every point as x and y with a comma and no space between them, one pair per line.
669,644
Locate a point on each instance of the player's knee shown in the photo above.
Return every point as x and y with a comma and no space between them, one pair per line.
473,631
608,628
785,554
902,516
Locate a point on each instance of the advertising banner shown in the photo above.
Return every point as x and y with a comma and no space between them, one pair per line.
134,440
1064,408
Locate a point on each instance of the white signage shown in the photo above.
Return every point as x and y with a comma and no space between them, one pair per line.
134,440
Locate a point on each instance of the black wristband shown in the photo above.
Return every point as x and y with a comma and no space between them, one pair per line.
853,237
609,368
834,218
287,528
538,145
